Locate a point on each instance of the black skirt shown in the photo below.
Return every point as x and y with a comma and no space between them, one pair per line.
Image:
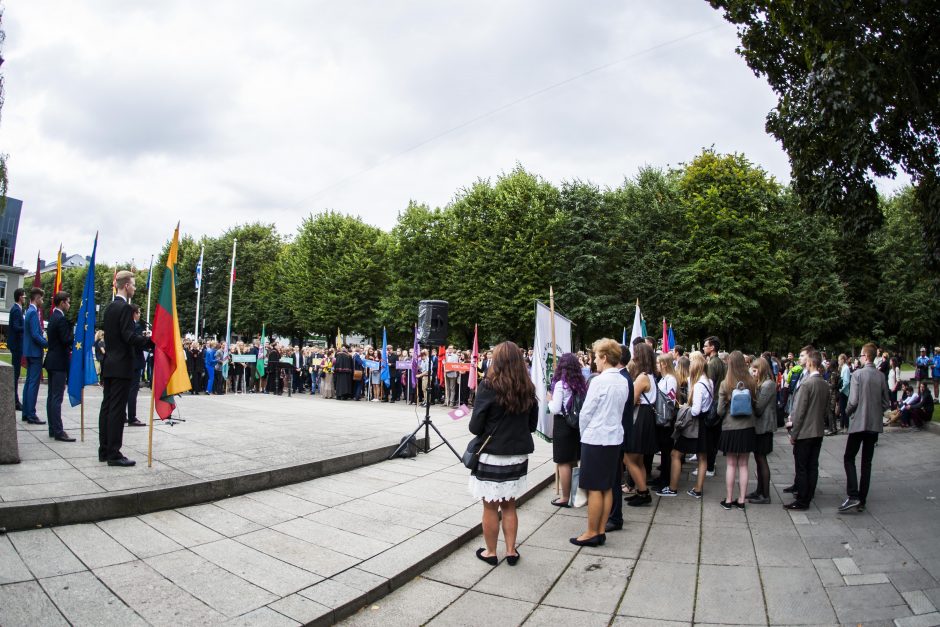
599,466
695,445
642,437
764,444
566,442
738,441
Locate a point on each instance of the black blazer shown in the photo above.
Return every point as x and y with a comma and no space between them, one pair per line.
120,341
139,362
60,335
514,433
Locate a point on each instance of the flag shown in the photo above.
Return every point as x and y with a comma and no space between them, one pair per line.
441,358
169,363
82,367
339,339
415,360
233,275
114,284
623,338
474,360
57,282
259,365
384,373
637,325
666,346
199,270
672,339
37,282
643,326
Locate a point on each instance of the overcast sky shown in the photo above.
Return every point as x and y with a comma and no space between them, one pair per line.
125,116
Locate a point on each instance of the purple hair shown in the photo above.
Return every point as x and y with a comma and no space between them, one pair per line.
569,373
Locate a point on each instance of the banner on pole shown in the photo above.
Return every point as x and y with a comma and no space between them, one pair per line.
403,365
457,367
540,359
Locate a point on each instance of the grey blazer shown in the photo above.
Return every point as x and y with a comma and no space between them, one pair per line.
868,400
809,408
765,409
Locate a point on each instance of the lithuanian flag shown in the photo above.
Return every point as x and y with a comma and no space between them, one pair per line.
169,363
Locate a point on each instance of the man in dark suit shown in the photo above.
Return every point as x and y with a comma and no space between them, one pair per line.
15,341
33,344
117,370
60,338
139,364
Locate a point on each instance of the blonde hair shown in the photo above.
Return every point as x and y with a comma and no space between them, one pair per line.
122,278
696,370
609,348
664,360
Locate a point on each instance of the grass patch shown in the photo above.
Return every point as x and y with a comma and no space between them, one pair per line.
6,358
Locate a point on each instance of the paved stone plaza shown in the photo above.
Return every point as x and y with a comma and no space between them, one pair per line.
317,551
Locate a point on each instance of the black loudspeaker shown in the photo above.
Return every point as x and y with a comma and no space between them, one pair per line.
432,322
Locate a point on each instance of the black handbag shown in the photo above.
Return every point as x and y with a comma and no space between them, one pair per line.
471,456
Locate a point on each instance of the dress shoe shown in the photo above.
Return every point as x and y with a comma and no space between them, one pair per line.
759,500
641,499
492,560
64,437
796,506
754,494
512,560
559,502
592,541
612,526
790,489
19,407
121,462
35,421
136,423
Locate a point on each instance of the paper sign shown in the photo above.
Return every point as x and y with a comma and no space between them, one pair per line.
371,363
457,367
403,365
461,412
246,359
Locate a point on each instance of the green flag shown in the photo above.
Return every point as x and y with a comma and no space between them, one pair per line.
259,364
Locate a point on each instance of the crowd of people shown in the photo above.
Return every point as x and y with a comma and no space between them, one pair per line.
612,416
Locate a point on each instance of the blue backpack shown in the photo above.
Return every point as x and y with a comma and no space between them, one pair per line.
741,401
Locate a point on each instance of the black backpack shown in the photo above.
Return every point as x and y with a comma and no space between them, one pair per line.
573,416
408,450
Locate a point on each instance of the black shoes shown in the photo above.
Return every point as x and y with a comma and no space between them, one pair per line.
35,421
512,560
492,560
597,540
136,423
790,489
739,506
64,437
753,495
725,505
796,506
640,499
123,462
612,526
759,500
19,407
558,502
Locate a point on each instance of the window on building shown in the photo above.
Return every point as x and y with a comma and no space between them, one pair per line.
3,289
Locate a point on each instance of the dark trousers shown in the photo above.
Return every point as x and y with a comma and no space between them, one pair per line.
57,379
357,389
112,417
17,359
665,442
616,511
843,403
714,435
865,440
132,395
806,452
31,387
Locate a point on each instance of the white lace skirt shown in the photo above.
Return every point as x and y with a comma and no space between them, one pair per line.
500,477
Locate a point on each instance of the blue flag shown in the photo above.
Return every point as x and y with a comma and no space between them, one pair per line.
385,375
415,360
82,367
672,338
199,272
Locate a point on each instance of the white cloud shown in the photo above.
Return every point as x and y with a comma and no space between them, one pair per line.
126,117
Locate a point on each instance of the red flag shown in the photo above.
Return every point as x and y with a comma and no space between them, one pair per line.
474,360
666,346
441,358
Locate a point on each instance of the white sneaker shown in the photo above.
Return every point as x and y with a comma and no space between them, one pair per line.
693,458
708,473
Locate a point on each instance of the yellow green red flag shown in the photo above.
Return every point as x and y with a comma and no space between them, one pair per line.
169,363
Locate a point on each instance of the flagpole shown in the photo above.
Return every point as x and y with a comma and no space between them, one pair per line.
551,306
228,319
199,290
150,432
83,414
149,280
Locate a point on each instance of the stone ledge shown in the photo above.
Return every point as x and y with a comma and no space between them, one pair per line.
95,507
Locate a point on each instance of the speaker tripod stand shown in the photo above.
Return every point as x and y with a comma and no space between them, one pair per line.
427,423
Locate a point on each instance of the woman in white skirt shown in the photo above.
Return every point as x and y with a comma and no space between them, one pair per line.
505,411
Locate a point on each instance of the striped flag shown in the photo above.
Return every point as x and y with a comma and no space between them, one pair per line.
169,363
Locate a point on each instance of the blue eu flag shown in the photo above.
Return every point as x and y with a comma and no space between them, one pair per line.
384,373
82,367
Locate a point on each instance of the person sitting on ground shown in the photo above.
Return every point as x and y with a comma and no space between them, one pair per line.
920,411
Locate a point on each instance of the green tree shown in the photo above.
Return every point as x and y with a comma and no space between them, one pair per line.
730,209
858,86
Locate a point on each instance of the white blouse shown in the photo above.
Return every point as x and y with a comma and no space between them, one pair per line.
602,411
704,396
560,396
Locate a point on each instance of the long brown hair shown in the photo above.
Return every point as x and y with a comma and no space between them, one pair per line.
509,379
764,371
738,373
